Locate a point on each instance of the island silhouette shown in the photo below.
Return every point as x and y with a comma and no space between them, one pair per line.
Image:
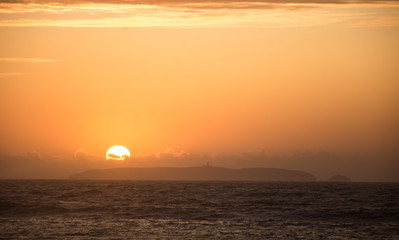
202,173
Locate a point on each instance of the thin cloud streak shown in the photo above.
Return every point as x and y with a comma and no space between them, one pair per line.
160,2
97,5
172,17
5,75
28,60
195,13
383,21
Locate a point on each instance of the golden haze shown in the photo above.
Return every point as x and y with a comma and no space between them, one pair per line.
226,80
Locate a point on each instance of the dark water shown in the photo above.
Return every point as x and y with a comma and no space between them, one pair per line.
58,209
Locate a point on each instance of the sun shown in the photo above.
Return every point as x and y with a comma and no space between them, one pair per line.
117,153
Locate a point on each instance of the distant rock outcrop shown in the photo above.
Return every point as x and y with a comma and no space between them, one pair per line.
339,178
197,174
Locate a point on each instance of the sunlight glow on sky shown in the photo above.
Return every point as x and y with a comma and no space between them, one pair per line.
202,77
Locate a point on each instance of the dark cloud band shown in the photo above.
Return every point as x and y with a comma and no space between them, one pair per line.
163,2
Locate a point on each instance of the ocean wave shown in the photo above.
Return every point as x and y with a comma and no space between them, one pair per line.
215,208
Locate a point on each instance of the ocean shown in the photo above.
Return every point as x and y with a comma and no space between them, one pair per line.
75,209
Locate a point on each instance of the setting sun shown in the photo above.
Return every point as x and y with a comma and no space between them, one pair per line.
117,153
217,119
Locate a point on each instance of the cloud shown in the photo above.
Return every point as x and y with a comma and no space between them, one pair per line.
165,155
389,21
153,2
22,60
182,13
5,75
33,155
320,163
113,156
81,154
123,6
171,152
28,60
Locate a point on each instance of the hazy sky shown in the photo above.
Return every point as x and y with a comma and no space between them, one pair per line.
206,78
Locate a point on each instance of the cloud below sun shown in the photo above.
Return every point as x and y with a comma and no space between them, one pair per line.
197,13
323,164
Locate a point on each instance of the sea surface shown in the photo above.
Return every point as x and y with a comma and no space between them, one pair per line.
74,209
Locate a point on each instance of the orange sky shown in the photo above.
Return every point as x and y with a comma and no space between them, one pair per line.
202,77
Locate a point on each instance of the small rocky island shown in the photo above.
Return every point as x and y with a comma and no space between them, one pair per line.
339,178
205,173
